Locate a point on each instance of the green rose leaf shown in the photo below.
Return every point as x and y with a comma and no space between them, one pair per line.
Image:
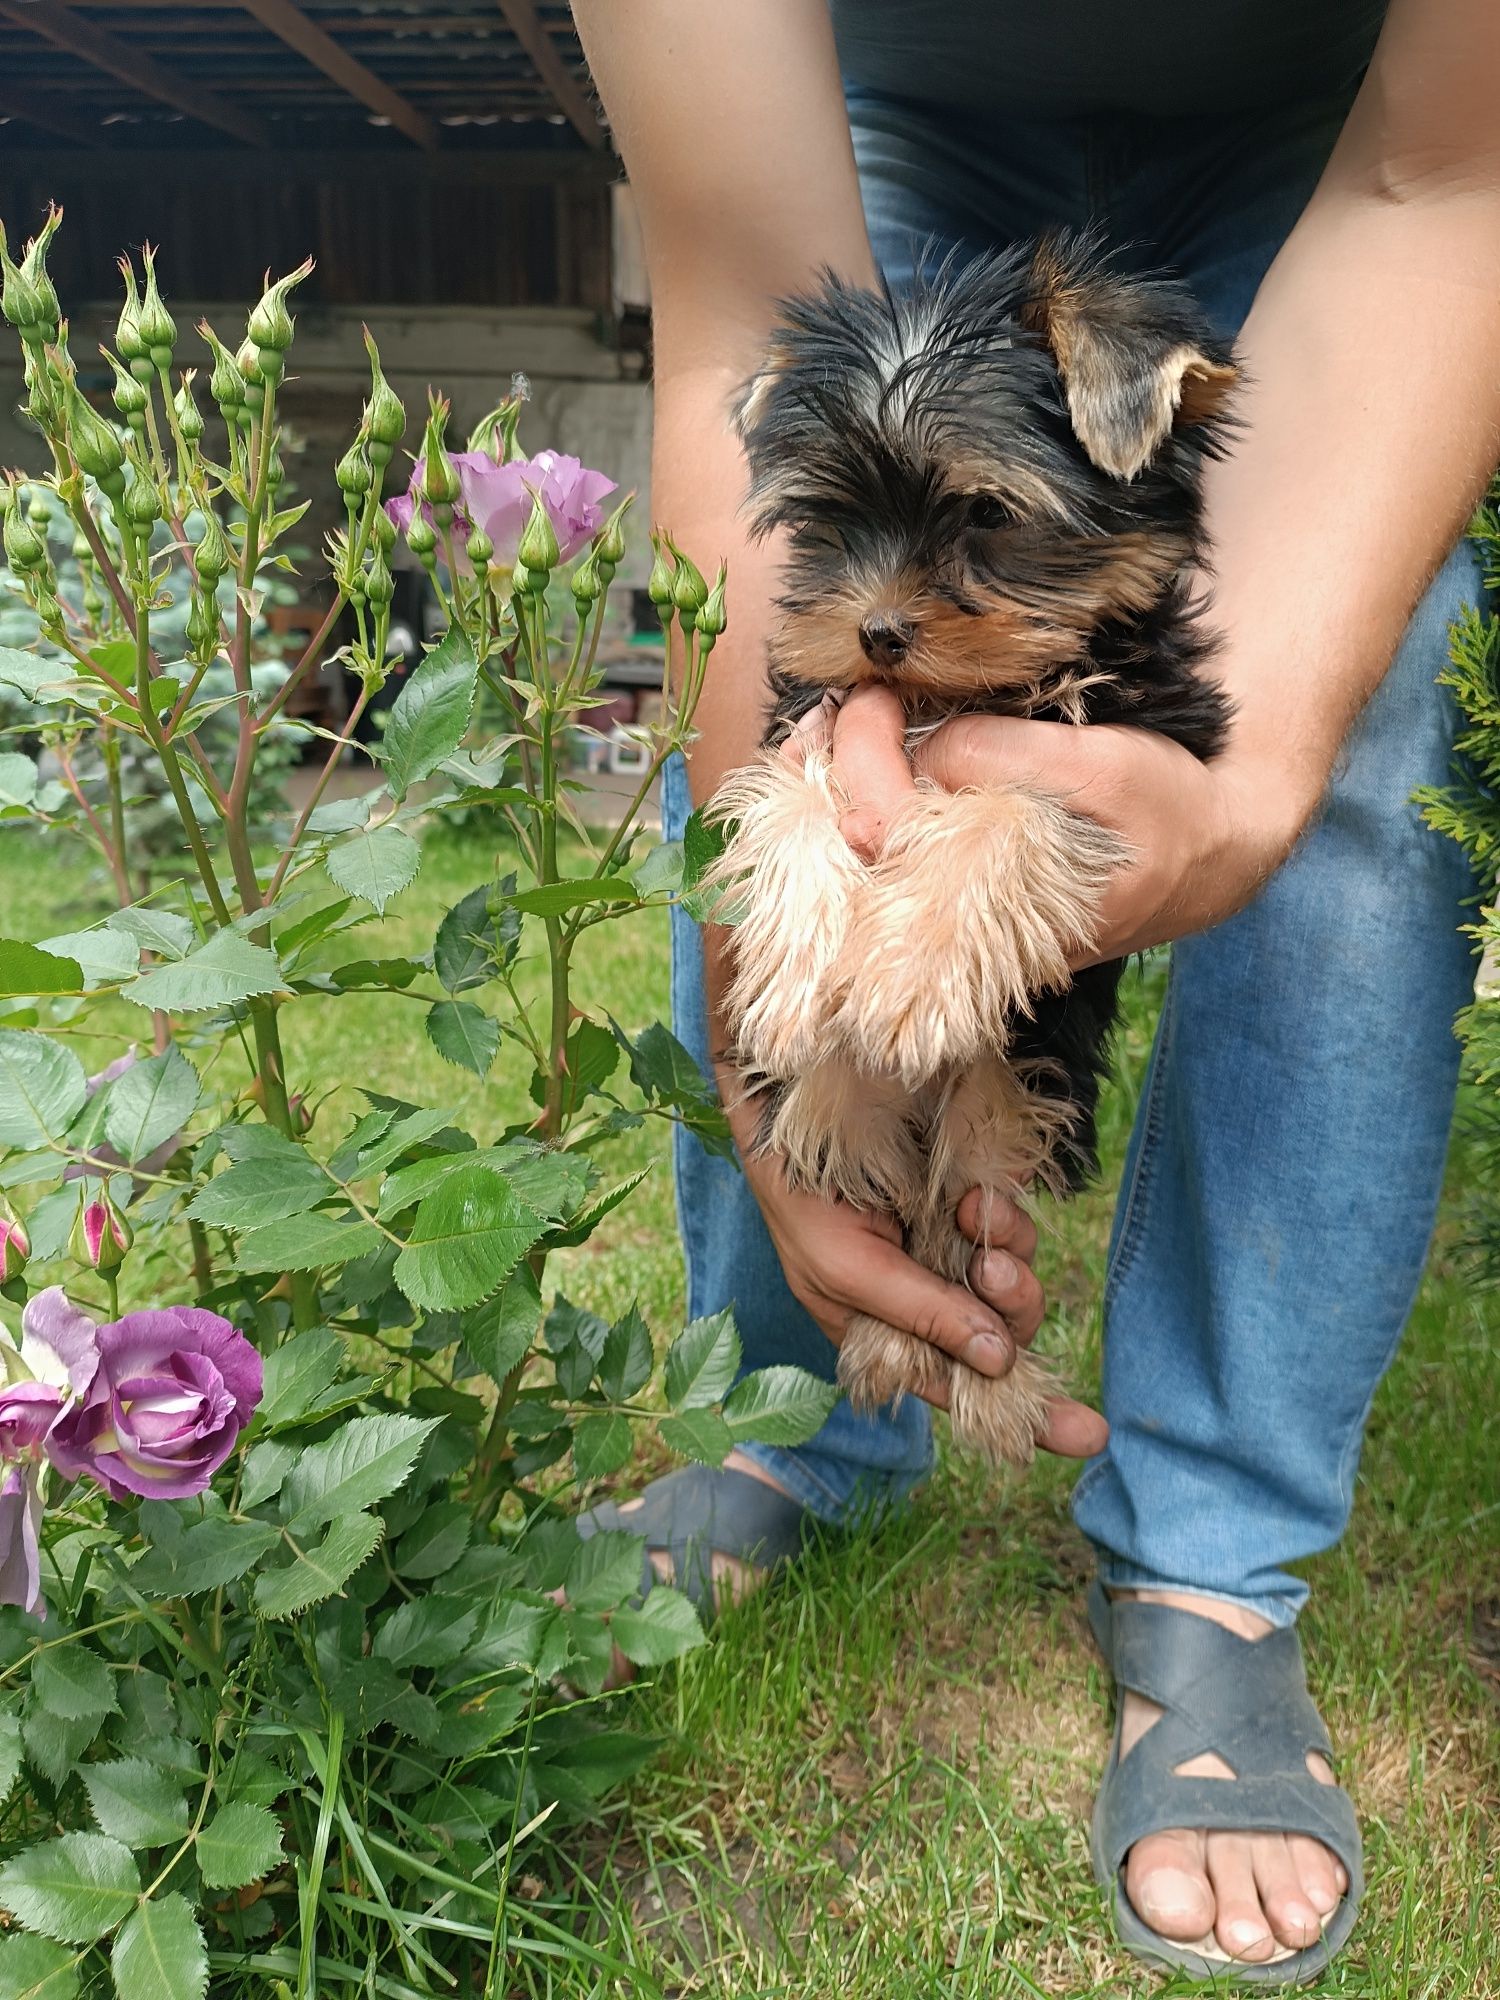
498,1331
208,1554
627,1357
161,931
18,779
783,1406
306,1242
297,1373
603,1571
665,1627
374,864
26,968
42,1089
71,1682
136,1802
73,1889
364,1462
159,1954
106,955
150,1102
317,1571
601,1445
31,1968
221,973
260,1191
466,1238
426,1632
434,1542
463,1034
701,1435
10,1753
477,938
553,899
430,716
702,1362
241,1843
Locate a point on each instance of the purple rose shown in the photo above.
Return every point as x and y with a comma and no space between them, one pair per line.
174,1388
498,499
27,1410
20,1538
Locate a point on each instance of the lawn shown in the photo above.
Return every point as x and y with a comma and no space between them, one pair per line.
874,1783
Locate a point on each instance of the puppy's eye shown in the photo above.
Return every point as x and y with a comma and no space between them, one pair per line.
988,511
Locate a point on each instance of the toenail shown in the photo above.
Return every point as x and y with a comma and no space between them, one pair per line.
987,1354
1170,1893
1322,1900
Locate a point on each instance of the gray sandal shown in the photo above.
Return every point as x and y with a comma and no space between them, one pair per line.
702,1512
1247,1701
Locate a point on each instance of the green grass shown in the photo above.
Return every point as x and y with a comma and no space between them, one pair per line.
875,1782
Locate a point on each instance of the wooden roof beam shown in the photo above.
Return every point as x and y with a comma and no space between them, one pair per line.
293,27
521,18
92,44
47,115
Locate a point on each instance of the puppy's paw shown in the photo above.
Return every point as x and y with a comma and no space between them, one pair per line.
788,881
999,1418
975,907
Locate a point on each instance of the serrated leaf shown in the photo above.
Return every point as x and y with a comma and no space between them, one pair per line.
604,1570
498,1331
434,1542
627,1357
665,1627
240,1844
702,1361
42,1089
298,1372
208,1555
601,1445
135,1802
465,1239
477,937
317,1572
33,1968
266,1467
430,716
259,1191
388,1142
105,954
552,899
374,864
306,1242
161,931
73,1889
364,1462
10,1753
26,968
150,1102
425,1632
783,1406
582,1224
701,1435
463,1034
53,1745
160,1954
72,1682
226,970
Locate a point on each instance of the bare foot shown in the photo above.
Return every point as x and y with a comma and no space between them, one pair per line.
1251,1896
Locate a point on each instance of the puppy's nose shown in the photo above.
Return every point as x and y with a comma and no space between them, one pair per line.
885,638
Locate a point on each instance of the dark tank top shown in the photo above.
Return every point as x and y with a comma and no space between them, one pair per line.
1059,58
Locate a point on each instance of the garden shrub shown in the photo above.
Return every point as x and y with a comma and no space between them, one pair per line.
300,1653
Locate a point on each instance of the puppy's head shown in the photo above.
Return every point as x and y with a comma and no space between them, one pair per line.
978,472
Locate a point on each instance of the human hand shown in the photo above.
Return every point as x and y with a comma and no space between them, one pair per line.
1201,838
840,1261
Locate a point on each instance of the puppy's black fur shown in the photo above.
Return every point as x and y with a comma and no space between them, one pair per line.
991,489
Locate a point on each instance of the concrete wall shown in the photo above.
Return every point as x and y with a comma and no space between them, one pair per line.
586,398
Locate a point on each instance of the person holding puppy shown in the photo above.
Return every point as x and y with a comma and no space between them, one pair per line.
1327,182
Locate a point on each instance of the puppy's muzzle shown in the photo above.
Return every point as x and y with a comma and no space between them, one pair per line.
885,639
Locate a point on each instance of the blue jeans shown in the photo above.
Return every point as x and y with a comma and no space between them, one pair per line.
1284,1172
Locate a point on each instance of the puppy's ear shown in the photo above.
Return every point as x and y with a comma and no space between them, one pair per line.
1135,359
752,404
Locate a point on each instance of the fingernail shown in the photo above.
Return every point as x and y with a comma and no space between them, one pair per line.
998,1271
987,1354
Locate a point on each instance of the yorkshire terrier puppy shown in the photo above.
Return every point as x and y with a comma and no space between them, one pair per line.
990,484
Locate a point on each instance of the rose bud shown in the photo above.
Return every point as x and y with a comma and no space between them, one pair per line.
380,585
711,620
101,1235
189,416
95,448
15,1249
270,325
441,485
213,556
353,473
384,418
34,270
226,384
18,296
659,583
24,547
689,590
587,585
157,328
539,550
129,396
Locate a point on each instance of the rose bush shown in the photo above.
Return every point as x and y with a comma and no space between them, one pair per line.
293,1424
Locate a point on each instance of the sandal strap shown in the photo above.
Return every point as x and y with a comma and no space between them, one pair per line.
700,1512
1244,1700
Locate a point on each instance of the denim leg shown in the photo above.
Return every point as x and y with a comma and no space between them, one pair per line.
1284,1173
855,1462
